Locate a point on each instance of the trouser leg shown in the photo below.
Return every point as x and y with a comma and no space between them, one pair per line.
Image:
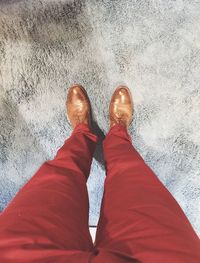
140,220
47,221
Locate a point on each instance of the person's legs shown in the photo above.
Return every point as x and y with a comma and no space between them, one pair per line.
140,220
47,221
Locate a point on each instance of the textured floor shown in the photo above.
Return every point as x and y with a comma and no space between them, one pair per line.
152,46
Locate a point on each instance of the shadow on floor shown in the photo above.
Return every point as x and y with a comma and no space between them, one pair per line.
98,154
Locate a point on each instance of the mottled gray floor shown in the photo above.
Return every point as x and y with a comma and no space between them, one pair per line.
152,46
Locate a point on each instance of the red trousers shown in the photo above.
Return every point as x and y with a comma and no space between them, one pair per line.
140,221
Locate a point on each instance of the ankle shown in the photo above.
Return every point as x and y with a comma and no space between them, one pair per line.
119,122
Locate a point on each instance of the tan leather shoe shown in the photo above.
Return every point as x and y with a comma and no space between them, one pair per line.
121,107
78,106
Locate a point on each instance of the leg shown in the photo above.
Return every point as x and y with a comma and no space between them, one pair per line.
47,221
140,220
